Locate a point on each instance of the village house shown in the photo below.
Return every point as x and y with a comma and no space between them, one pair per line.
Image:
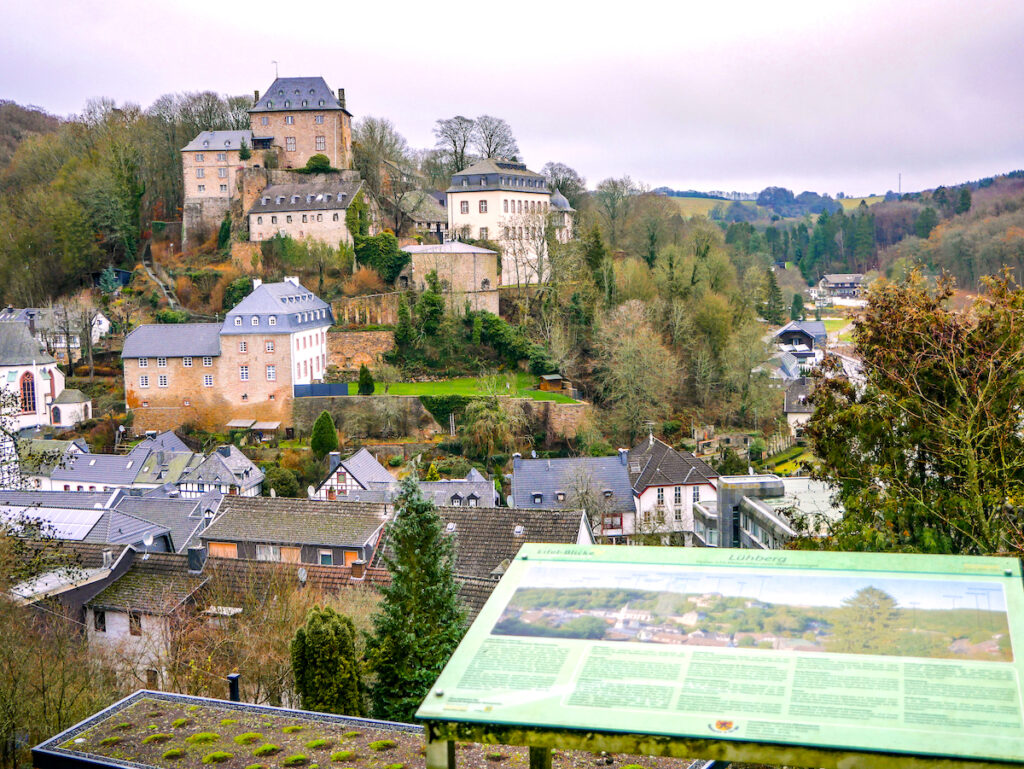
246,367
797,406
839,286
650,489
315,210
504,201
467,273
57,329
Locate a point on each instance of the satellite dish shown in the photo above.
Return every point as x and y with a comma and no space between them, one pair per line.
148,540
302,574
310,492
509,501
273,493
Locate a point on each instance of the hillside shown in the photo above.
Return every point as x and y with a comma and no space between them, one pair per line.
18,123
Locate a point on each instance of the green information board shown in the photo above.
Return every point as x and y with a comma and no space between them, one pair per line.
855,652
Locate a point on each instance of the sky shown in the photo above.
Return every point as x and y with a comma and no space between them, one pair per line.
831,97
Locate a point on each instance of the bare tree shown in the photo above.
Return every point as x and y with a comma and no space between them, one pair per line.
493,138
614,198
454,136
561,177
378,147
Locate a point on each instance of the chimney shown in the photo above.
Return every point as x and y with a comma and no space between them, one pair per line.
623,456
293,279
196,559
31,323
256,283
333,460
255,97
341,97
108,559
358,569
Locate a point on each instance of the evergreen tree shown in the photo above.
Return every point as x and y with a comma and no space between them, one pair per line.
108,281
774,308
963,201
796,312
224,233
432,474
325,665
244,153
420,619
324,438
366,382
926,222
430,306
403,329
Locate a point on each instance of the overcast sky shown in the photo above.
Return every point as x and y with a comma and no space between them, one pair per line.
737,96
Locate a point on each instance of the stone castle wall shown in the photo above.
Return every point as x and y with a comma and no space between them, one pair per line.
348,350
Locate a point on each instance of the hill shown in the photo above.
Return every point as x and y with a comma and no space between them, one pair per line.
18,123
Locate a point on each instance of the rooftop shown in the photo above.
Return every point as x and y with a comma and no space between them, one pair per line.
214,141
454,247
19,348
292,306
550,478
653,462
332,195
292,94
156,584
173,340
295,522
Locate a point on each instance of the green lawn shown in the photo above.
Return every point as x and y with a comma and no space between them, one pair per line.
523,388
834,324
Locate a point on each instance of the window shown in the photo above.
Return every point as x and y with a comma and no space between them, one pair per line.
222,173
161,362
222,157
319,217
289,143
200,173
186,402
143,381
134,623
335,217
268,553
270,345
259,220
264,120
661,495
288,219
326,557
289,119
696,493
99,621
238,320
271,373
187,361
483,206
145,405
208,380
505,205
678,496
199,157
538,498
483,233
143,362
223,188
202,188
243,373
321,143
272,322
162,380
305,218
464,207
207,360
318,119
273,220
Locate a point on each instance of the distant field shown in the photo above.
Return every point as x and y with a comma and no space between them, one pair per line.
850,203
696,206
834,324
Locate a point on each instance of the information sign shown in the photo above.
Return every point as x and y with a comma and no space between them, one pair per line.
857,652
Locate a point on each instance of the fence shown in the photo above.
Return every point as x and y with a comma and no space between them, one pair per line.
319,389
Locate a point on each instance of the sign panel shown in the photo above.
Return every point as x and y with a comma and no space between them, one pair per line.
911,654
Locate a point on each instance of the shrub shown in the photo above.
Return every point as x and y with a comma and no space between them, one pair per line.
318,743
366,383
395,461
282,480
173,753
324,437
217,757
318,164
365,280
158,737
267,749
107,741
292,729
228,721
248,738
177,723
297,760
202,738
341,755
171,316
350,735
324,661
382,745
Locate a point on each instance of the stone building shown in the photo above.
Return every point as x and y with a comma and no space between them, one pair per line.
31,374
315,210
466,273
507,203
210,166
211,373
299,117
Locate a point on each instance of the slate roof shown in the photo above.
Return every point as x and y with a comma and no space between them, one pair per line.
71,396
110,469
844,277
165,441
559,202
116,527
181,517
798,397
19,348
421,206
286,94
67,499
295,522
654,463
247,579
548,477
454,247
439,492
814,328
497,174
173,340
40,456
229,469
312,196
474,592
162,467
284,301
158,584
364,467
216,141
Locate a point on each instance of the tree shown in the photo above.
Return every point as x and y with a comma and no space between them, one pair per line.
108,281
963,201
796,312
927,454
493,138
244,153
454,136
324,437
614,199
224,233
926,222
236,291
376,146
318,164
432,473
366,383
430,306
403,329
490,427
773,309
866,624
730,463
381,252
420,619
566,180
327,672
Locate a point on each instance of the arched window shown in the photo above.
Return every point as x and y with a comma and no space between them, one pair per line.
56,415
28,393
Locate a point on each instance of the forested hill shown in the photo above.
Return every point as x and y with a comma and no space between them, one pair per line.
17,123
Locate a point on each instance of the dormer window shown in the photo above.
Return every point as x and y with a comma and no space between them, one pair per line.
538,498
238,321
255,320
304,102
264,201
206,143
321,102
456,500
287,103
560,496
270,104
607,493
272,320
295,198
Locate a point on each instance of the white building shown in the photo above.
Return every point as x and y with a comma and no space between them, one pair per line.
504,202
29,375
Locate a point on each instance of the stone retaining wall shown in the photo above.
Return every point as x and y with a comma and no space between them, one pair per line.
348,350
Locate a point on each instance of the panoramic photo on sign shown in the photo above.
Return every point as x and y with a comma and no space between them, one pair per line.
908,654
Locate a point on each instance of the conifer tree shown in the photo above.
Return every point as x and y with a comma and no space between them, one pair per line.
324,438
366,383
420,619
796,312
774,307
432,473
327,674
403,329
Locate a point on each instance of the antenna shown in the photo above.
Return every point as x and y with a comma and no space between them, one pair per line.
148,539
275,69
310,492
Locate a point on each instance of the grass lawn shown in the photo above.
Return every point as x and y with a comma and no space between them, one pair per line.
834,324
468,386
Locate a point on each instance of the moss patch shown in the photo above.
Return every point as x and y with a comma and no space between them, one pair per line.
248,738
177,723
293,729
268,749
381,745
341,755
108,741
158,737
317,744
173,753
202,738
217,757
298,759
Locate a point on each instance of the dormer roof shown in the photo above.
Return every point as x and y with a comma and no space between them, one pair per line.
293,94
